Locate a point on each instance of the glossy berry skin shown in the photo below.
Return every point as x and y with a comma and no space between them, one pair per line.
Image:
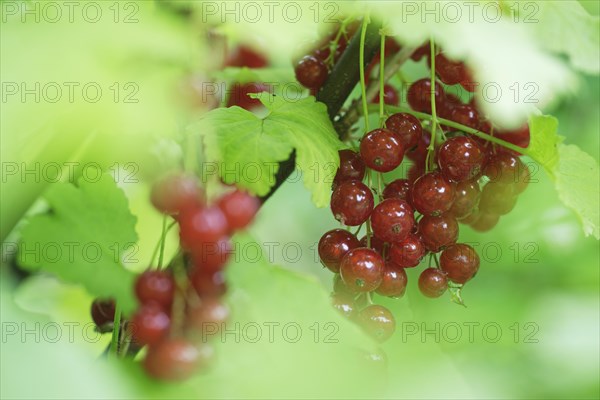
498,198
239,209
351,167
433,194
419,95
150,324
103,312
352,203
311,72
394,281
207,283
466,198
203,225
450,72
392,220
438,232
407,127
155,287
390,96
409,252
460,262
174,193
362,269
344,303
239,95
484,222
378,322
505,168
433,282
244,56
460,158
381,150
376,244
334,245
398,189
172,360
466,115
212,256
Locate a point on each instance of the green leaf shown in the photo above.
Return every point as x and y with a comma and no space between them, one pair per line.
241,143
577,179
581,44
544,141
85,239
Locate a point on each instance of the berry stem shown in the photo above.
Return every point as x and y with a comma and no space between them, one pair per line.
434,121
114,344
363,86
158,245
334,43
381,79
163,235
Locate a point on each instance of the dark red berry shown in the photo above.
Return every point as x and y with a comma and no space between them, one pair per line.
344,303
468,83
394,281
398,189
438,232
498,198
450,72
409,252
378,322
311,72
150,324
351,167
466,115
172,360
433,282
460,158
103,312
407,127
238,95
421,52
505,168
208,283
176,192
244,56
392,220
362,269
519,137
376,244
334,245
239,209
484,222
419,95
381,150
203,225
390,96
460,262
466,199
433,194
212,255
155,287
352,203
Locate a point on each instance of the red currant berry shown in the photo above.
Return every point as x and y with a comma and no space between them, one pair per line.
504,168
460,159
421,52
409,252
344,303
519,137
377,244
466,199
208,283
172,360
398,189
150,324
414,172
311,72
450,72
392,220
390,96
239,209
432,194
244,56
339,286
460,262
212,255
203,225
407,127
378,322
211,311
419,95
351,167
155,287
438,232
174,193
239,95
394,281
334,245
352,203
484,222
381,150
103,313
468,83
433,282
497,198
362,269
466,115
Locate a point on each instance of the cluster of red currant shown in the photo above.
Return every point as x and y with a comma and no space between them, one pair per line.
176,304
419,214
